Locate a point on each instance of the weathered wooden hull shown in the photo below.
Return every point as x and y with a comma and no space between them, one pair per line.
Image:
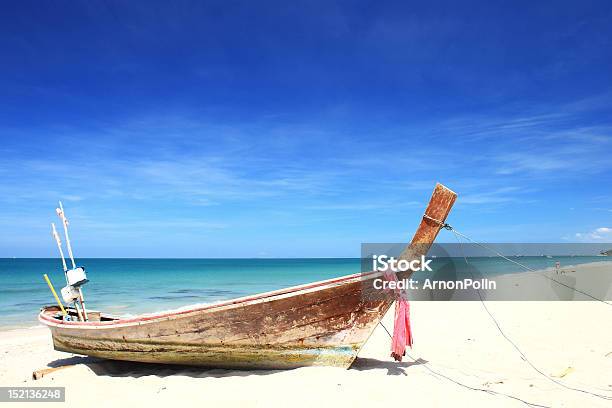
322,323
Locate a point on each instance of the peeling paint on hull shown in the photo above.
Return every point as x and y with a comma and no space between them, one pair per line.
223,356
325,325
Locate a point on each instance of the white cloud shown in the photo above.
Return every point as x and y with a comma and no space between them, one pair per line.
500,195
598,234
377,205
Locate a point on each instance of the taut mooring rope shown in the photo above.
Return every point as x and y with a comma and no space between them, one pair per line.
469,387
523,356
454,231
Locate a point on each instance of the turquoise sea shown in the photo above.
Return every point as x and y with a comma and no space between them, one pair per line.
133,286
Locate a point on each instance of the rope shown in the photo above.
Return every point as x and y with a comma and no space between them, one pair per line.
523,266
440,223
523,356
453,230
469,387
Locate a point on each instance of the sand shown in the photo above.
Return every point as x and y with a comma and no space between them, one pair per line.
569,340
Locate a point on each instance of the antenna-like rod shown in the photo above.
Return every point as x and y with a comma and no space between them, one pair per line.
59,246
60,213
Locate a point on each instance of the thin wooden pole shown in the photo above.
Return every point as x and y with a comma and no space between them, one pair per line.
55,294
38,374
76,306
62,215
65,222
83,304
59,246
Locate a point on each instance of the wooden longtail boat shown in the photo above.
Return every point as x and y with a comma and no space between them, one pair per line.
321,323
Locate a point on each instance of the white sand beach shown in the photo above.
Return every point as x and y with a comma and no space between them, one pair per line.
570,341
256,186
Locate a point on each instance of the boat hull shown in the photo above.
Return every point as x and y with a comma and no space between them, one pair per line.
321,323
240,357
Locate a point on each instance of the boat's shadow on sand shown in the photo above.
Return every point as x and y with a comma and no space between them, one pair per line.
115,368
392,367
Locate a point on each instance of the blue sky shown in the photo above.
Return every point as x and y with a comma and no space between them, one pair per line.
284,129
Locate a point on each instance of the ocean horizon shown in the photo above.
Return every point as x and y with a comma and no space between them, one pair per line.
132,286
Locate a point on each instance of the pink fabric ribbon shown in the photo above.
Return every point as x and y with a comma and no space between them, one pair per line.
402,333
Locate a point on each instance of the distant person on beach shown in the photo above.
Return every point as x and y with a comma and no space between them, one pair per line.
557,266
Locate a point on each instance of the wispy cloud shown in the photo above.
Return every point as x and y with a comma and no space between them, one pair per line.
377,204
181,173
151,224
500,195
557,140
601,234
575,156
